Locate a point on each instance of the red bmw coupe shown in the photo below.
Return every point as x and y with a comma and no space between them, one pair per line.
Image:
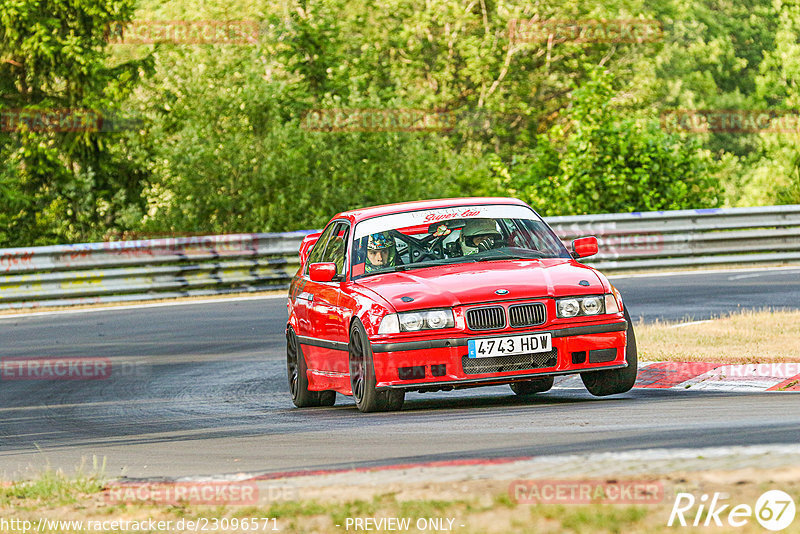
448,294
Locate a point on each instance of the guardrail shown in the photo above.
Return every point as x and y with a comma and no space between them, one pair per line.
91,273
688,238
212,265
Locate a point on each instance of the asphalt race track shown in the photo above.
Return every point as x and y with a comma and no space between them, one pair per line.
698,296
200,389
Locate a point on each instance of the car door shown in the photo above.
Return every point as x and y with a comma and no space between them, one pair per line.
326,317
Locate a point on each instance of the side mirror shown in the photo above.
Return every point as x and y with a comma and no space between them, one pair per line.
305,246
584,247
322,272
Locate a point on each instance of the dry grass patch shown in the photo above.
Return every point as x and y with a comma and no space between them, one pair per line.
477,506
743,337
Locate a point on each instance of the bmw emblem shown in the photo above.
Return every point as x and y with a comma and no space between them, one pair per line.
502,292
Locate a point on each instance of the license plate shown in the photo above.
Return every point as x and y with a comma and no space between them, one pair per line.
509,346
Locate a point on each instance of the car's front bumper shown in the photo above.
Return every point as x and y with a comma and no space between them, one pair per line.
442,362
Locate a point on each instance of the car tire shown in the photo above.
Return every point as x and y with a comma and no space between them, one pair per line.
529,387
362,376
614,381
296,369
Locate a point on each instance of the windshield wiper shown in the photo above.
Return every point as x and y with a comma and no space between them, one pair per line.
420,265
529,255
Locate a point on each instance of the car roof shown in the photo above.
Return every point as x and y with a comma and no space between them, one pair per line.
386,209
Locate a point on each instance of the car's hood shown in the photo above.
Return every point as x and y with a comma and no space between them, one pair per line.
454,285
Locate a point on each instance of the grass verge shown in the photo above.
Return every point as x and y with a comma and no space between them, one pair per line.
742,337
485,506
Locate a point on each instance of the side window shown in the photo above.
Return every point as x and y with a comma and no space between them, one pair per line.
337,247
315,256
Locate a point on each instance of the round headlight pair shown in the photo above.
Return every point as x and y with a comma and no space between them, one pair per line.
413,321
430,319
573,307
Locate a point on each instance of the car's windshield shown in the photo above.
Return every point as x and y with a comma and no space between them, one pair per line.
464,234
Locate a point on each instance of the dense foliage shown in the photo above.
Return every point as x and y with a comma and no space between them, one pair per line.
68,184
220,139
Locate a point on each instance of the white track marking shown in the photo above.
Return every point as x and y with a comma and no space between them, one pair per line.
681,325
700,271
139,306
743,377
756,275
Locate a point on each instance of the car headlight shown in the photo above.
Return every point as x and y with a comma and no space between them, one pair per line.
592,305
568,307
439,318
583,306
417,320
411,321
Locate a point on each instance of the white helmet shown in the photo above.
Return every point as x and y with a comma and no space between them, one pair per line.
473,228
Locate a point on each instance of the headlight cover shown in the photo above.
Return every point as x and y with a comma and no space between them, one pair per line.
568,307
586,306
389,324
409,322
592,305
416,320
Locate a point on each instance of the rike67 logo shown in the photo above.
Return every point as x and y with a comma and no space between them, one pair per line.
774,510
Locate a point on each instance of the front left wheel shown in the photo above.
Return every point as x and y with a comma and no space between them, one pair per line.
614,381
362,376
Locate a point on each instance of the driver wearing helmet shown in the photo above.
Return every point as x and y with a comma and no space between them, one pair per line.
478,235
381,252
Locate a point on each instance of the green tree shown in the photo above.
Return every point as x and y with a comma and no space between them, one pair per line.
222,147
63,185
600,160
776,177
230,159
